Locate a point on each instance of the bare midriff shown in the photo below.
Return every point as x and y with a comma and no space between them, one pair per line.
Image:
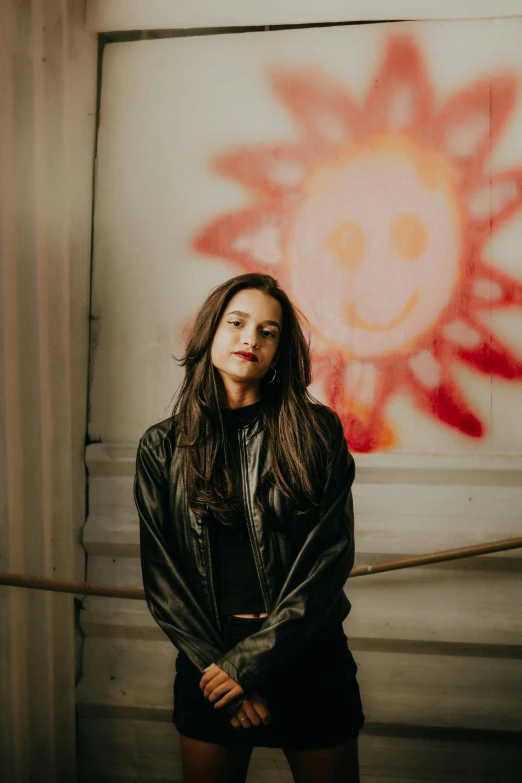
264,614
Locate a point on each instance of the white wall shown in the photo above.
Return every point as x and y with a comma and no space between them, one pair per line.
47,119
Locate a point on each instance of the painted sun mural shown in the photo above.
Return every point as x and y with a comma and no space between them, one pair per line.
376,223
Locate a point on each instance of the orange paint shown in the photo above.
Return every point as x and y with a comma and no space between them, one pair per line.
367,223
355,320
347,242
409,236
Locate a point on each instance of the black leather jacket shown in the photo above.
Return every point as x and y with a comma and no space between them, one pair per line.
302,576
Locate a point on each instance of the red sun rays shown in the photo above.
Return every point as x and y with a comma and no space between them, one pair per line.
461,133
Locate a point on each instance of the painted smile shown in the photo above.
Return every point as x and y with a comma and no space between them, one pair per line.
355,320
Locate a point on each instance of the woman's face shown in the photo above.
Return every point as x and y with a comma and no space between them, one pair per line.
251,324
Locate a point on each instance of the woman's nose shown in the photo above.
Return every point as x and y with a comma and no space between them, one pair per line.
249,339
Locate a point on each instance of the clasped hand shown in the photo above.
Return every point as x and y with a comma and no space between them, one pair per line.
219,688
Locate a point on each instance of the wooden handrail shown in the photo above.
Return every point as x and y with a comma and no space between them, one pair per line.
438,557
108,591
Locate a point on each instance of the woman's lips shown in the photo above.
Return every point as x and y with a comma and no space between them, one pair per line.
249,357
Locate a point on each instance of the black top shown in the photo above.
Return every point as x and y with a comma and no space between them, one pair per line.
236,581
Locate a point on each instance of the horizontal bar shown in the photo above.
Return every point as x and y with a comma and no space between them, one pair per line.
112,591
438,557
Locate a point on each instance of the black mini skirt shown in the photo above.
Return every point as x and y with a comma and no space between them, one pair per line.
313,698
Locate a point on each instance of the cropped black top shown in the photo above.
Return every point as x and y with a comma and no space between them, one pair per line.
236,582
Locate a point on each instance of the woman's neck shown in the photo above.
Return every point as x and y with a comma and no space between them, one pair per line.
240,399
228,407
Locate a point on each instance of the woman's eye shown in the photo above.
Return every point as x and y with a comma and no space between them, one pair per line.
264,332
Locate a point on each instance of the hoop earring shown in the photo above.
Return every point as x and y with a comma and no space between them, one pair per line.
273,378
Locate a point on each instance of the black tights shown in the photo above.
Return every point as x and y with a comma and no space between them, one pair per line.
205,762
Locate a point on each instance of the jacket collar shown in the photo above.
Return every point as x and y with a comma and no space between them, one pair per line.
256,426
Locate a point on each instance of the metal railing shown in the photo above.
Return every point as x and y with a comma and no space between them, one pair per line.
113,591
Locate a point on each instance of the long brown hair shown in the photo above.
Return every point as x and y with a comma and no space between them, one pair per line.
296,447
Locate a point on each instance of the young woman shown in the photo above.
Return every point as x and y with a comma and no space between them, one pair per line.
246,530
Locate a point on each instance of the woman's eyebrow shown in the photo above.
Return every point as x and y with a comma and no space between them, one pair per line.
246,315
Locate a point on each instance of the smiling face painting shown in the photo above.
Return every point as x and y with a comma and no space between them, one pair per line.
376,222
390,269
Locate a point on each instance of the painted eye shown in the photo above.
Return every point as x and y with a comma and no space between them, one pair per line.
409,236
348,244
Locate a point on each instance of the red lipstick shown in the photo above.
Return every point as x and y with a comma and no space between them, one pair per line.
246,355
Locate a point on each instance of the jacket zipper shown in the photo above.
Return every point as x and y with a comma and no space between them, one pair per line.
250,523
210,582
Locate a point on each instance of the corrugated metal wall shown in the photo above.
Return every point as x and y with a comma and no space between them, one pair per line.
47,117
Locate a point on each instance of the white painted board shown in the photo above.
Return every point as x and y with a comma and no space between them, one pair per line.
177,212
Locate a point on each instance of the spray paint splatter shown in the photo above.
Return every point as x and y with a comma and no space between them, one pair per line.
376,223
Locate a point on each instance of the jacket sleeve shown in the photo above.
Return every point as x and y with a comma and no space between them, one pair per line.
314,582
170,599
